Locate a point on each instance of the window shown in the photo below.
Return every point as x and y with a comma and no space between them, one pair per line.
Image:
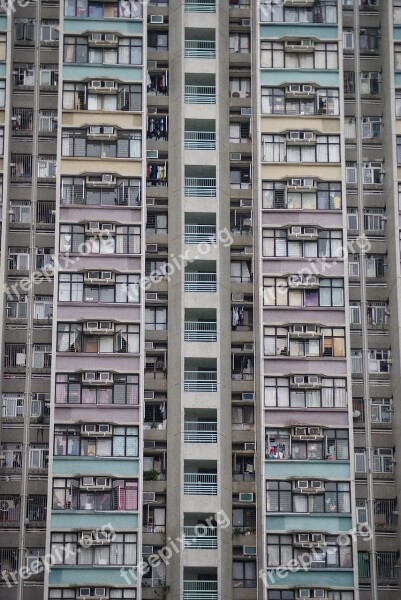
280,551
333,498
127,192
276,243
374,219
370,83
49,31
326,196
379,361
240,42
356,361
156,318
348,39
377,313
349,82
244,574
332,445
273,11
277,342
128,52
381,410
369,39
126,240
121,551
124,339
242,417
383,460
352,218
371,127
241,271
372,173
330,393
72,289
241,86
323,56
375,266
351,172
275,148
127,145
157,40
97,10
244,518
73,388
69,441
44,258
277,292
325,101
70,594
355,313
353,265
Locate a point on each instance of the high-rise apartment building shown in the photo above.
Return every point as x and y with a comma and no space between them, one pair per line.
200,264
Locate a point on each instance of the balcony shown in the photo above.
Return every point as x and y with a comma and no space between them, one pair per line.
200,94
200,590
200,140
200,282
200,331
200,537
201,187
200,234
200,381
200,432
200,6
200,484
11,458
9,510
200,49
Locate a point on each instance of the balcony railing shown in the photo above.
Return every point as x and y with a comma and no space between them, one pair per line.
15,355
22,119
200,432
45,212
200,484
200,49
200,331
200,381
200,590
199,234
200,6
37,509
200,140
9,509
200,94
200,282
204,187
200,537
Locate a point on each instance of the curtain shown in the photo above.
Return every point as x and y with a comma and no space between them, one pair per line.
300,504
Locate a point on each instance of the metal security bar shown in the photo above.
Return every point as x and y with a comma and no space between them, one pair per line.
201,381
200,94
200,282
200,331
200,484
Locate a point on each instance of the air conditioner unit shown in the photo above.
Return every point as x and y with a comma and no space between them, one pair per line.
150,201
319,593
237,297
235,155
308,183
309,136
296,230
304,593
151,296
315,431
100,593
149,395
110,38
92,226
307,43
250,396
87,481
249,346
95,84
152,64
149,345
235,94
249,550
88,428
245,497
103,482
296,182
151,248
156,19
148,497
246,111
246,202
105,377
313,379
89,376
308,89
294,135
246,22
146,550
107,275
108,227
249,446
317,538
152,154
300,431
302,538
95,37
302,484
84,592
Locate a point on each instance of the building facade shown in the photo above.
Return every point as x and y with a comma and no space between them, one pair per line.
209,371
